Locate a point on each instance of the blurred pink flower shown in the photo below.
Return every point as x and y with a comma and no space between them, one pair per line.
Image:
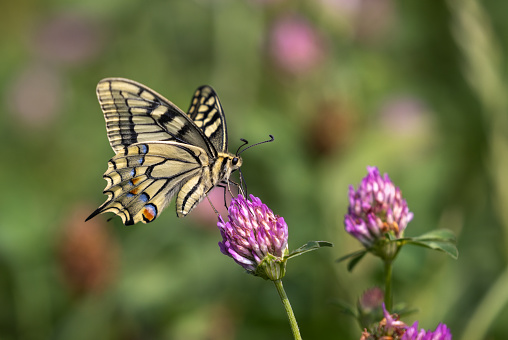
332,127
68,37
295,45
371,299
36,96
265,2
368,20
404,115
374,19
88,253
348,8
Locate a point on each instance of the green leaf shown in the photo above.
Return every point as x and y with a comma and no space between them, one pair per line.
354,261
345,308
437,234
445,246
350,255
354,257
439,239
309,246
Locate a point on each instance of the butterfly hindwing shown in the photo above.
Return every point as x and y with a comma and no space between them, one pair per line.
207,113
135,113
143,178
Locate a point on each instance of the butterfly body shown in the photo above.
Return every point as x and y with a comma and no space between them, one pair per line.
161,151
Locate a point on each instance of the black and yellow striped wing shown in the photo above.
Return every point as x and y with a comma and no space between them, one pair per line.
206,112
161,152
143,178
135,113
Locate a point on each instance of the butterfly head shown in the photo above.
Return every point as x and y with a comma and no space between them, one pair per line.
235,162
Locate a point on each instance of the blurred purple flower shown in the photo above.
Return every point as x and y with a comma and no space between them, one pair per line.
368,21
376,208
35,97
348,8
371,299
374,20
369,306
295,45
68,37
441,333
87,253
255,238
265,2
332,127
405,115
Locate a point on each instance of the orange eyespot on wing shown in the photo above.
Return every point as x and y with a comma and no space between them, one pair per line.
149,213
136,180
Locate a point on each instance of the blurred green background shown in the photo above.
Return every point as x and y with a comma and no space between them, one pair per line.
416,88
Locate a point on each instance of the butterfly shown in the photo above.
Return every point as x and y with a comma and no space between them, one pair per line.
161,151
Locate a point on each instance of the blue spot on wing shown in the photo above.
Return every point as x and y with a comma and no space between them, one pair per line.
144,198
143,148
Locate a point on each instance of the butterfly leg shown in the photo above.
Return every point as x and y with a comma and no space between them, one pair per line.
243,184
223,186
240,189
211,204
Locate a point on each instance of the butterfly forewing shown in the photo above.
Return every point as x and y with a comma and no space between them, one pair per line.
135,113
207,113
161,151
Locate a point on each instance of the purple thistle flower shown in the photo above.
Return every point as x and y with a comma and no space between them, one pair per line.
392,328
377,207
441,333
392,323
255,238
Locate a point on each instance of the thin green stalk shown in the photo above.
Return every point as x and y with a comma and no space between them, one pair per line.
483,67
289,310
388,285
489,308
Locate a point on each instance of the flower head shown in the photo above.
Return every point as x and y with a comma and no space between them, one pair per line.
371,299
296,46
87,254
376,208
255,238
441,333
388,328
392,328
369,306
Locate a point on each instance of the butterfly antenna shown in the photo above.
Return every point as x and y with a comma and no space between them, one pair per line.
238,152
245,142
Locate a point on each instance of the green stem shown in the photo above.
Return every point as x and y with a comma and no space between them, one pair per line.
488,309
289,310
388,285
